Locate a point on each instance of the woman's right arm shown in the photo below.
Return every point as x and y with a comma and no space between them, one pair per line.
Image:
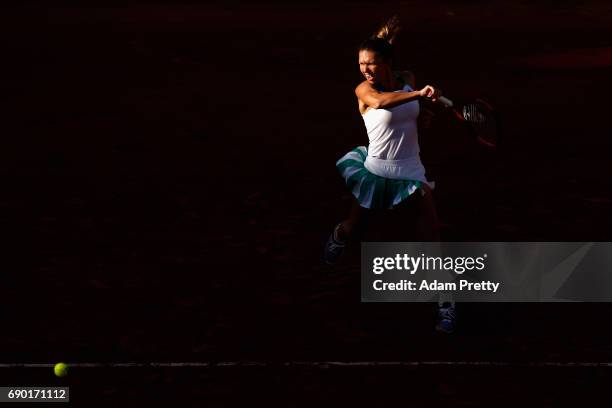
379,100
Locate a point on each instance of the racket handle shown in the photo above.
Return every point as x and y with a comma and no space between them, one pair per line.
445,101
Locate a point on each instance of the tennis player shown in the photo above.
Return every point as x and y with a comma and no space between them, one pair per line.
388,172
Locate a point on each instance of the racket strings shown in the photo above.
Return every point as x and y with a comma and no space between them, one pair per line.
473,113
483,122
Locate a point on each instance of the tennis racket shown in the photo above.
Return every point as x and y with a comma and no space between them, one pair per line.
480,117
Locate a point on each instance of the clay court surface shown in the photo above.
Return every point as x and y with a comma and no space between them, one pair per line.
168,182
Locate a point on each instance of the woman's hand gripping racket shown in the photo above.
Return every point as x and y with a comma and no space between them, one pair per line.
482,120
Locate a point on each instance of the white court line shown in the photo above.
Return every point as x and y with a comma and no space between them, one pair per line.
319,364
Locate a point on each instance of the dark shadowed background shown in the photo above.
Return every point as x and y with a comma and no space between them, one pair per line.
168,182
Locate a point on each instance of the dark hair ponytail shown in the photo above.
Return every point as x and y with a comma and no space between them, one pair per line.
382,41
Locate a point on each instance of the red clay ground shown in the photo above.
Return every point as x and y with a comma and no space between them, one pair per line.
169,179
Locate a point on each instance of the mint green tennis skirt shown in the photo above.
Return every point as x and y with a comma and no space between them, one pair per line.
372,191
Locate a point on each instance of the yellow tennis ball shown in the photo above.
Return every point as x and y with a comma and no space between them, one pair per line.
61,369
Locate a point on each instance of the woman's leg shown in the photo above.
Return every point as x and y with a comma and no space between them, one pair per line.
427,224
353,227
428,228
348,229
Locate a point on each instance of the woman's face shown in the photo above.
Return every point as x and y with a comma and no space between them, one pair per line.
373,67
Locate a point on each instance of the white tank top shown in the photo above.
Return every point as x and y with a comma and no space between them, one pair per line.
394,141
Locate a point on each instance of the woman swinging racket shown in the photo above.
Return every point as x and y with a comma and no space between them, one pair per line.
389,171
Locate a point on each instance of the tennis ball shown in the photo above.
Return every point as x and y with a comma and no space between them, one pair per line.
61,369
